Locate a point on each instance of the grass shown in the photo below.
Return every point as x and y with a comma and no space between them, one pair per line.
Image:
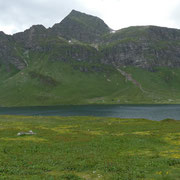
89,148
52,83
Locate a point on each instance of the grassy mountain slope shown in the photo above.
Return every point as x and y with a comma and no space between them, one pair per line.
52,83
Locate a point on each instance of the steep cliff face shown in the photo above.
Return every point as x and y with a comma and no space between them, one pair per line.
31,38
145,47
9,57
62,50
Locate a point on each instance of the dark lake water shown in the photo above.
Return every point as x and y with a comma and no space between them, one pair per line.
152,112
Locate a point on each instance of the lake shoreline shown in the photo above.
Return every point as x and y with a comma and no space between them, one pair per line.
152,112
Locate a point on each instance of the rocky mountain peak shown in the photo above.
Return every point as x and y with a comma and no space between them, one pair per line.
37,28
31,36
4,37
2,34
75,13
81,26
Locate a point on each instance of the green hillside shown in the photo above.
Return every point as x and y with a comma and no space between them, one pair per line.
51,83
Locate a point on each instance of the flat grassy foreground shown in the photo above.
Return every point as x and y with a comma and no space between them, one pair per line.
89,148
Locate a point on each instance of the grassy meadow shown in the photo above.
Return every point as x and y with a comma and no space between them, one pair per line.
89,148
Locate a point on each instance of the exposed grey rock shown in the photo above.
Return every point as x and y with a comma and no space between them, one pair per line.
26,133
145,47
8,53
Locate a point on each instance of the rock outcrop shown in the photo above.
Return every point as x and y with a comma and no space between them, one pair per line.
144,46
9,56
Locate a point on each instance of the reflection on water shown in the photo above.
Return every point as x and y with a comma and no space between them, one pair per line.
153,112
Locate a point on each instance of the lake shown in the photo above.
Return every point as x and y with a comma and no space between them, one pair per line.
152,112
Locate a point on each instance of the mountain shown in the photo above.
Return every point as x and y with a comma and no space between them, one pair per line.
82,61
144,46
82,27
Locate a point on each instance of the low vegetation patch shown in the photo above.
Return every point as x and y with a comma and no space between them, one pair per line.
47,80
89,148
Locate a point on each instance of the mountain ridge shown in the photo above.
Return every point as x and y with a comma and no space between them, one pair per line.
82,61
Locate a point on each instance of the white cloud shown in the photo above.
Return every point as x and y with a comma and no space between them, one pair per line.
122,13
175,15
21,14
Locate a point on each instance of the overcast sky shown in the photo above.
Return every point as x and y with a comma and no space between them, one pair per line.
18,15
